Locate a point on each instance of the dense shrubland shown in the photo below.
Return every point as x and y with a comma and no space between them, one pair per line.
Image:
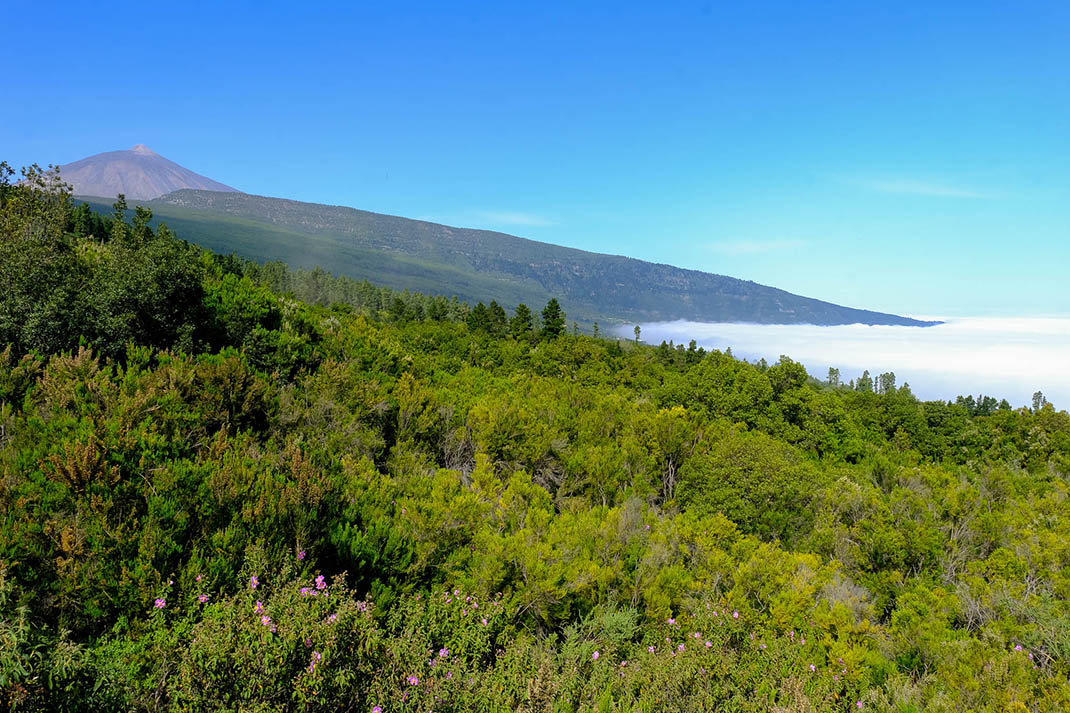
215,495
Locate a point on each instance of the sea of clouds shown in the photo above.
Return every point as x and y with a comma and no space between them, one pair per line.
1004,357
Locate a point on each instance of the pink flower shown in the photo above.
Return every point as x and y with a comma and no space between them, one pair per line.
304,591
650,649
259,608
1017,647
160,603
301,555
377,709
265,620
332,618
198,578
858,703
595,656
413,681
203,598
735,615
254,581
443,653
680,647
812,668
484,621
671,621
321,582
708,644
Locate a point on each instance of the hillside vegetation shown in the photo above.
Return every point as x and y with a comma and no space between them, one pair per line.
216,496
483,265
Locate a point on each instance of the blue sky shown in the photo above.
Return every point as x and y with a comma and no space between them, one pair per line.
901,156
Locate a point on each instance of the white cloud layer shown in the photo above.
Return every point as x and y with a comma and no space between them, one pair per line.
1002,357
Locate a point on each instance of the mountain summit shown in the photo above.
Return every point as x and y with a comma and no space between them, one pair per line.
139,173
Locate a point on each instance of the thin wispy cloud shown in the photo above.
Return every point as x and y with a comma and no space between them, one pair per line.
512,218
737,248
920,187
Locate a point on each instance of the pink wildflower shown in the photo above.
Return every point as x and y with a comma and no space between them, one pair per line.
735,615
650,649
259,608
160,603
413,681
254,581
203,598
595,656
301,555
265,620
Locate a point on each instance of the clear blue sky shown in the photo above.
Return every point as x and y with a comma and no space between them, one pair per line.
904,156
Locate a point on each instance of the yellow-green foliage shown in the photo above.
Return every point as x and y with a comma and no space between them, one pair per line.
488,511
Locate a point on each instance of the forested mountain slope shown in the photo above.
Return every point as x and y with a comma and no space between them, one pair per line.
218,497
482,265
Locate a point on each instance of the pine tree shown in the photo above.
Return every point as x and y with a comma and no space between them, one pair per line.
553,319
479,319
520,326
497,319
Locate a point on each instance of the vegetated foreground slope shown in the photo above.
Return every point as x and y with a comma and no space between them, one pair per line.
139,173
230,499
481,265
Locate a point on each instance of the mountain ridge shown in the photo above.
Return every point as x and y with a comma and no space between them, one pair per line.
591,285
474,264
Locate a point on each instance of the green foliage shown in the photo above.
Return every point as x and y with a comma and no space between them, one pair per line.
489,510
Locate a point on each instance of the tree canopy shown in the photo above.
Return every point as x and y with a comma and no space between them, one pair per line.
227,485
